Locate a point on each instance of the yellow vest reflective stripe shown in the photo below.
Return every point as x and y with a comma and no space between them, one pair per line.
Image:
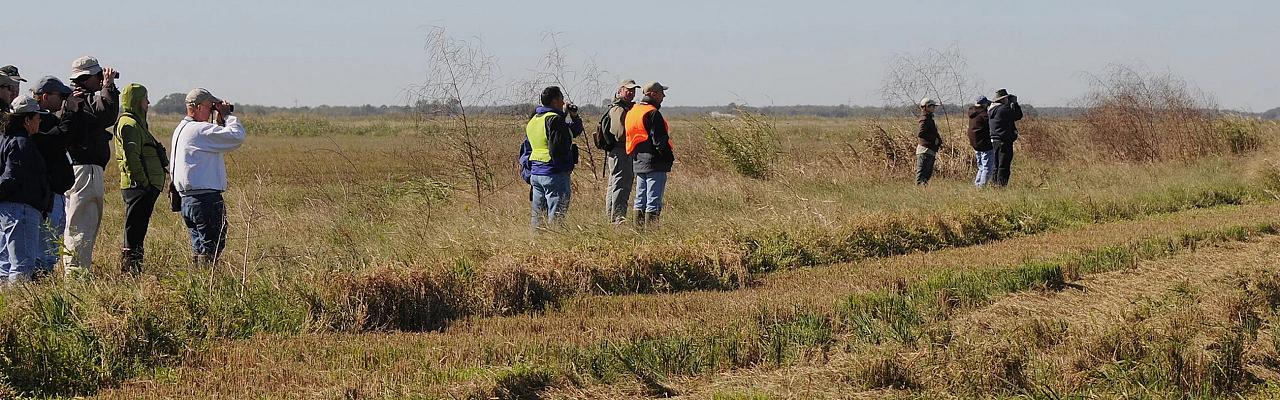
536,130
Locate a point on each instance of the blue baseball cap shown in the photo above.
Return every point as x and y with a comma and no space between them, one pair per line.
50,84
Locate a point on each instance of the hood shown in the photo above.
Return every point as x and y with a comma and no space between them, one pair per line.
545,109
132,99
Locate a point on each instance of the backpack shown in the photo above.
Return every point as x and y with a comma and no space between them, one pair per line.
603,139
526,167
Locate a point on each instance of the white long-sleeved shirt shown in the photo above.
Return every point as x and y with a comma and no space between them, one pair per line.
197,162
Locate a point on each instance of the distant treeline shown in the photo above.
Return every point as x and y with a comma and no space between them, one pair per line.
173,104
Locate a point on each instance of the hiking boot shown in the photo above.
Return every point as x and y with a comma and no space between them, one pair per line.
131,261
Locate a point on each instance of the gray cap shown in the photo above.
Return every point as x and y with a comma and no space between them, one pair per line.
6,80
928,102
12,71
200,95
654,86
26,104
629,84
84,66
50,84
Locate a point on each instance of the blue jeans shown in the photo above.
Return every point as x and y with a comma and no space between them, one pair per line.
205,215
550,198
650,187
20,245
984,167
51,234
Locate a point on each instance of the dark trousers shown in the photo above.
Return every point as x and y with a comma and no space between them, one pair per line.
205,215
1003,162
138,204
924,167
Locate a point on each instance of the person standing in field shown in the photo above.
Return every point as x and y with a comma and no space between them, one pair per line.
143,165
649,147
1004,113
929,143
24,192
89,154
980,139
552,156
613,140
200,173
57,131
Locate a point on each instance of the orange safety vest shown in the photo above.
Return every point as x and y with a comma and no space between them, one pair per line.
636,132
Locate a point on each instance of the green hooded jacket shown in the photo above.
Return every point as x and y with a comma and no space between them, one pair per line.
143,161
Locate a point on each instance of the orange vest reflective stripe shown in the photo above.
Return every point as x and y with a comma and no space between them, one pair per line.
636,132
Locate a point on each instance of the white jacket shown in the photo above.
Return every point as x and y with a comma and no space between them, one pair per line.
197,162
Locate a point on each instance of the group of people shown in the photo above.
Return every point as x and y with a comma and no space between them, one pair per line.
635,137
992,131
637,142
57,141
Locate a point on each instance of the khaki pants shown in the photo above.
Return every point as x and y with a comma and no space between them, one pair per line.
84,214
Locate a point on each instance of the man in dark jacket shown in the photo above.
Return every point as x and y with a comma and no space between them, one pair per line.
980,139
56,133
552,155
1004,114
618,165
89,154
651,152
930,142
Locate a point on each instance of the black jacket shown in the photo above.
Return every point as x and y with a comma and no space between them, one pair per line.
24,179
56,134
1004,118
979,128
92,145
654,155
928,133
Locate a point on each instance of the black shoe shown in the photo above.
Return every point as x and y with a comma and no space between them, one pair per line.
641,218
654,217
131,261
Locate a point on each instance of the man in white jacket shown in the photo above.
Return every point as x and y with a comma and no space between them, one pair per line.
199,172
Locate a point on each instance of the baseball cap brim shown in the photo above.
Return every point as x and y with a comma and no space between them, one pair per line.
17,78
93,70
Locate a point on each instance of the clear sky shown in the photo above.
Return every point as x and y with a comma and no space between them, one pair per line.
710,52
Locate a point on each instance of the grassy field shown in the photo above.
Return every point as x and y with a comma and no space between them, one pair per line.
361,266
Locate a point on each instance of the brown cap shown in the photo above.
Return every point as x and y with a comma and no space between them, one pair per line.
654,87
629,83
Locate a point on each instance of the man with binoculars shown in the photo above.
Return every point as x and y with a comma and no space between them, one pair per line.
94,87
200,173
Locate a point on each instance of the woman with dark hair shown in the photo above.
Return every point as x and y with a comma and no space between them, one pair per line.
24,192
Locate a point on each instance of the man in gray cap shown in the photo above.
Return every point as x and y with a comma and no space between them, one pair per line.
613,140
651,152
200,173
57,131
95,87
